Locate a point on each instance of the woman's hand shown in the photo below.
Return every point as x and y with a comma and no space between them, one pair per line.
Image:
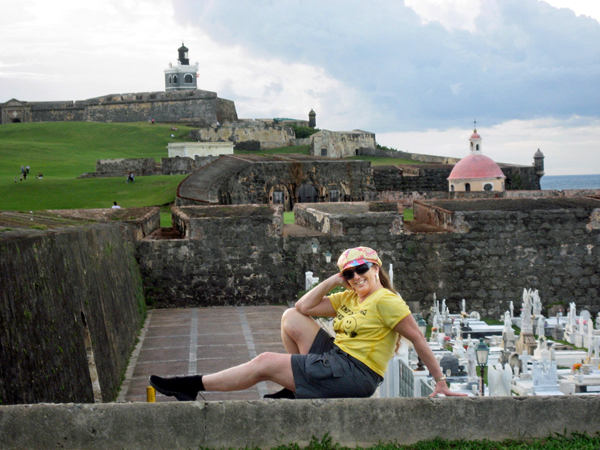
441,387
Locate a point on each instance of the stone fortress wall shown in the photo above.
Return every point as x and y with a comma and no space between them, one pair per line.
58,285
197,107
72,305
549,245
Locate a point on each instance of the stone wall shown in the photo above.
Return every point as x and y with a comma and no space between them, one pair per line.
340,144
417,157
434,177
121,167
349,219
234,259
62,290
268,133
553,249
199,107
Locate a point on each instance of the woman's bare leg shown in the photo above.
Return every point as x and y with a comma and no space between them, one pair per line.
276,367
298,331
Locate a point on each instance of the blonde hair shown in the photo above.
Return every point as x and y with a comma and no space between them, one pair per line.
385,281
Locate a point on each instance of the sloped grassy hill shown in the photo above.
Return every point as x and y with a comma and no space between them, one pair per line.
62,151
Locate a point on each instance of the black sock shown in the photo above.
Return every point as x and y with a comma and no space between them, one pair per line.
197,383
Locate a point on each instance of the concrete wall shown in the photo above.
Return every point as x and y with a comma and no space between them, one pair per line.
61,290
340,144
200,149
268,424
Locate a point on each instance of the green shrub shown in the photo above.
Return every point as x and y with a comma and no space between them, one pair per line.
304,132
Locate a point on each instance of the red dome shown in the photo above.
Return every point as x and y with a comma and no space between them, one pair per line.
476,166
475,135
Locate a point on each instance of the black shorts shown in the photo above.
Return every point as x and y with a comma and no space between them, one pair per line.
328,372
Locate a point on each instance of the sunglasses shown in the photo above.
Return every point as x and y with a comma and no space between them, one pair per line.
348,274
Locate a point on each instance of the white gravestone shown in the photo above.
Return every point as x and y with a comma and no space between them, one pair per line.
545,378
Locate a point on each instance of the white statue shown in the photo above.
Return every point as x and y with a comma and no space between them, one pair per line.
536,303
463,308
471,362
512,309
541,329
526,325
507,322
598,322
500,380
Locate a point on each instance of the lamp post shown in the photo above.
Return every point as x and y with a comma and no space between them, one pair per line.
314,248
328,257
423,327
482,352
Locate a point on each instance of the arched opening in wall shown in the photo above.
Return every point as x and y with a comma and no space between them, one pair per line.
280,195
307,193
323,152
451,188
87,342
188,79
477,147
16,121
175,79
467,187
170,79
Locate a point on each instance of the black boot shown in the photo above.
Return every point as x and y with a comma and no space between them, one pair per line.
284,393
184,389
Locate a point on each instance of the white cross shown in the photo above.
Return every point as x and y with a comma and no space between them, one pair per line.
525,358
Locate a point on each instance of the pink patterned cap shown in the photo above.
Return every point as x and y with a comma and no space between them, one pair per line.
356,256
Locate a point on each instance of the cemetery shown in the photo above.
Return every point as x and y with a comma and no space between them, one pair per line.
557,355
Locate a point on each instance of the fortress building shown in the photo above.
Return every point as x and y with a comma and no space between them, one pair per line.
181,102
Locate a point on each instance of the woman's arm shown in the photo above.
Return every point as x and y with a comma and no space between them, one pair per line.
408,328
315,303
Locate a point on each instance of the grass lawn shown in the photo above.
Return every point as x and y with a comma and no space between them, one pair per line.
62,151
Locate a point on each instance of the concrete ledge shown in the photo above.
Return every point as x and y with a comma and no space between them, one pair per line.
237,424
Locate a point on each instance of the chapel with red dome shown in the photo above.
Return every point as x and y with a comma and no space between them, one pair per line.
476,172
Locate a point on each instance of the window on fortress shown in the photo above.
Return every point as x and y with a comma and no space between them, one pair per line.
188,79
170,79
323,152
468,187
175,79
334,196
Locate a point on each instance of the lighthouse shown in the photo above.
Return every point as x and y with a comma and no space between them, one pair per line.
183,76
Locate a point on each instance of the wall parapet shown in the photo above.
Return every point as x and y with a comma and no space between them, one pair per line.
351,219
273,423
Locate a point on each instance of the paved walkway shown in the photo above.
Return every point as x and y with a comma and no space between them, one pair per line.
176,342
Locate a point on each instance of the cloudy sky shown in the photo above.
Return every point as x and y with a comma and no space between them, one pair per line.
415,72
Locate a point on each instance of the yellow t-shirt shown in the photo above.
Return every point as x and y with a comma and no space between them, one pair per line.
366,330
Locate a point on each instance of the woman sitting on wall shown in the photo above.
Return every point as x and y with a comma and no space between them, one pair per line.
369,318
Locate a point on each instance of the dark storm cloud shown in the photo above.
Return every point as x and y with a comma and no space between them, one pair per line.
526,59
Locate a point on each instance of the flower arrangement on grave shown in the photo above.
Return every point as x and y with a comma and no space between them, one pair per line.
576,367
448,345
